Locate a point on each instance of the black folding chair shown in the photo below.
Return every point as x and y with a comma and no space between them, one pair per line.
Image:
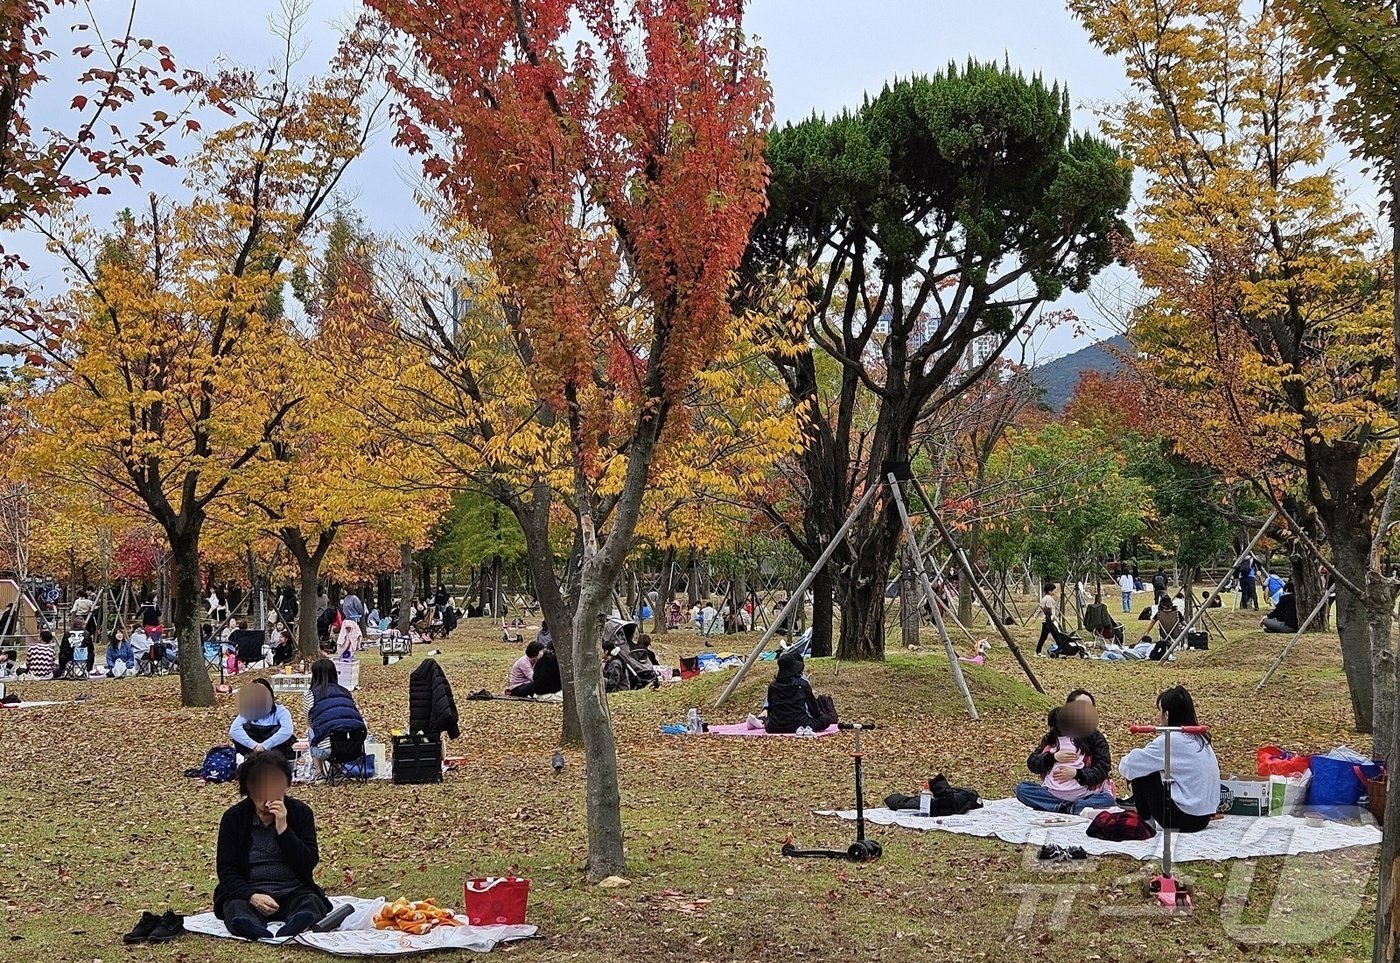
249,644
347,749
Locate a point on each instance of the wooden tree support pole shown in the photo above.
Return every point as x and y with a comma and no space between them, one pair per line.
1180,640
927,586
1317,610
966,565
796,596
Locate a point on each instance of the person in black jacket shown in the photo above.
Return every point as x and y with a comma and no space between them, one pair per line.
791,703
1284,616
431,708
1073,761
267,854
547,680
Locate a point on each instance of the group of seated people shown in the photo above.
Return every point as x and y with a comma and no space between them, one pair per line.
1073,766
536,673
264,725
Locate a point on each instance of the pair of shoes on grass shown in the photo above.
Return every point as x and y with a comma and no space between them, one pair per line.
156,929
1051,853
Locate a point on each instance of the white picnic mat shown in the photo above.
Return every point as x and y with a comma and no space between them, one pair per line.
1231,837
358,937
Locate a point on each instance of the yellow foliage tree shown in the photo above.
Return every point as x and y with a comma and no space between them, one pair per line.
175,321
1266,330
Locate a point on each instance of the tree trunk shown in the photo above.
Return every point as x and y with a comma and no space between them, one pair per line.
555,605
823,612
195,687
405,587
1308,586
910,611
1379,621
738,594
602,799
863,586
308,574
1349,555
692,582
665,591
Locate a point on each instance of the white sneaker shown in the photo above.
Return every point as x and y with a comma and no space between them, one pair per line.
754,722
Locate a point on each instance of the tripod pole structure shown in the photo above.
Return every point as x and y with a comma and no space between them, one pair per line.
966,565
927,586
796,597
1317,610
1180,640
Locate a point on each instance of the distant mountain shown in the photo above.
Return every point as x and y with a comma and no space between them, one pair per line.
1057,379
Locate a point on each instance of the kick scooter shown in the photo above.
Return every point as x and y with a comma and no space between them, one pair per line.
1167,890
862,850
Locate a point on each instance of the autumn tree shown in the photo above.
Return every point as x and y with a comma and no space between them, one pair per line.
1191,506
1063,499
611,153
961,438
45,164
1358,44
945,212
1111,401
1266,330
175,318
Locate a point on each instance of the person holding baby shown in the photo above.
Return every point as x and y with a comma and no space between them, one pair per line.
1072,761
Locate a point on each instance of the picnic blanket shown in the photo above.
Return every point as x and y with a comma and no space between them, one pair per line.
358,937
31,705
1230,837
482,695
742,729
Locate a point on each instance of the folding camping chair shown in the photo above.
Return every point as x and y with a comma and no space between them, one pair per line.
76,667
213,655
347,750
250,646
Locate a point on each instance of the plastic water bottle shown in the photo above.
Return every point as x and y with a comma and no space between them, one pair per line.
925,803
692,721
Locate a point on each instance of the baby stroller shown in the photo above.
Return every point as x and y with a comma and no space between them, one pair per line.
1068,646
623,671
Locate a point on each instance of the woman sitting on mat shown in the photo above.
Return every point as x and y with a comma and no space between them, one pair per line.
262,723
1195,770
1073,761
791,703
267,854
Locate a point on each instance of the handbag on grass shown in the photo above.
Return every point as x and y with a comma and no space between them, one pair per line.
495,900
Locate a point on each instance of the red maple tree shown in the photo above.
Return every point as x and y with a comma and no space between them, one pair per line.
1111,401
610,153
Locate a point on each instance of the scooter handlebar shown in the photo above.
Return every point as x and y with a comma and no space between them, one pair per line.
862,726
1193,730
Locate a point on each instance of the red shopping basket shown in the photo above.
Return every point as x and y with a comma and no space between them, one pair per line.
495,900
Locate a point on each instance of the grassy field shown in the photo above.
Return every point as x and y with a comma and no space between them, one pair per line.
101,823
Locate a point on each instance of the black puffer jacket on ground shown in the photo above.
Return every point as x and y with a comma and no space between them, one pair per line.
431,708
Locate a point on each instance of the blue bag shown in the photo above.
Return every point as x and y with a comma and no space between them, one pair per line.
361,769
1339,781
220,765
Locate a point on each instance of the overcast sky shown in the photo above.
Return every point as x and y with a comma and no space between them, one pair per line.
822,55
